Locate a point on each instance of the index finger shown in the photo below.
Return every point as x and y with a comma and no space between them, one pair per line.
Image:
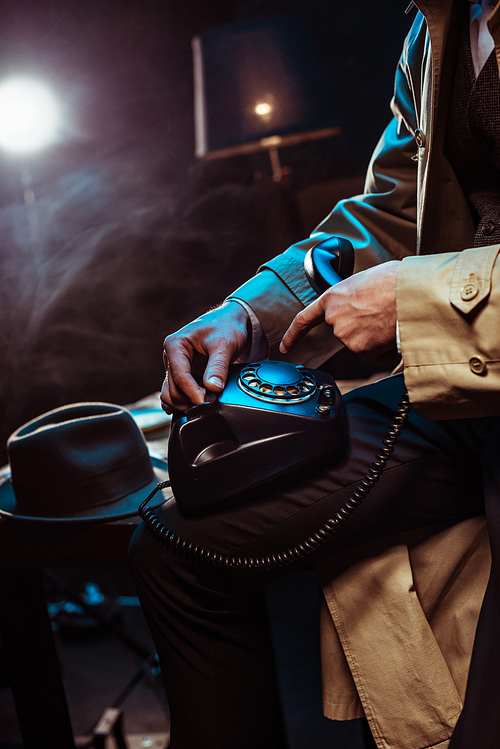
302,323
181,385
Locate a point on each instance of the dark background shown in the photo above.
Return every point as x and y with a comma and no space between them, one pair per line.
137,235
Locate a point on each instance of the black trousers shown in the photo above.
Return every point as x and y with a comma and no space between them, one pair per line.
210,625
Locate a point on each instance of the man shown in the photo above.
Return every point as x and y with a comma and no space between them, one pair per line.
433,188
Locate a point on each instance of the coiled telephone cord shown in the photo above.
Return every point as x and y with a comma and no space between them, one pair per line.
310,544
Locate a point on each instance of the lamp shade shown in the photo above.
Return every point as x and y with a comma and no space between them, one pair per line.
257,79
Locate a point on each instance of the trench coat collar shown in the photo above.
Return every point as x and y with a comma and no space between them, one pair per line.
494,27
428,7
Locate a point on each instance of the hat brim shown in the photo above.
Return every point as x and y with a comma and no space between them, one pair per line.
124,507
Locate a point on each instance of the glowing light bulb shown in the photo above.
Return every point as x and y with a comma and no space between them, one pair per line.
29,115
263,108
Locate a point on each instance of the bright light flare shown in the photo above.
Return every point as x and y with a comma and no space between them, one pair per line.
263,108
29,115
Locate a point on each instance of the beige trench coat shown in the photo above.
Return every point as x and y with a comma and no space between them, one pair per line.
399,619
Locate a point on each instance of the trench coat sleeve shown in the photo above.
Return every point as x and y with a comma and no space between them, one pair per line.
380,223
448,311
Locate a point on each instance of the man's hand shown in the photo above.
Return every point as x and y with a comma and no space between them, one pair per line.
361,310
203,351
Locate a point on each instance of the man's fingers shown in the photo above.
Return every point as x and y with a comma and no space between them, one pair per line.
218,366
185,367
180,389
174,396
301,324
200,354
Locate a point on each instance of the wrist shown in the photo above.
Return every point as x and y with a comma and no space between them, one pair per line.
237,310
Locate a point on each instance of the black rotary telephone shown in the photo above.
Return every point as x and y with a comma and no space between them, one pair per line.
271,418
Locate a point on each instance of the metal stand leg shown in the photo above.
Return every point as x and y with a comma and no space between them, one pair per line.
32,663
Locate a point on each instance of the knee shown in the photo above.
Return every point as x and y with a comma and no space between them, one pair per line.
153,563
143,552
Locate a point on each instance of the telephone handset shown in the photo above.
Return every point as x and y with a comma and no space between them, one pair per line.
271,418
329,261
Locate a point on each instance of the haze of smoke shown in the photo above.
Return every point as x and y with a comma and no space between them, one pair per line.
122,261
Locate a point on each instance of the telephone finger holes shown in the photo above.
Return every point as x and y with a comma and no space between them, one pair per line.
277,382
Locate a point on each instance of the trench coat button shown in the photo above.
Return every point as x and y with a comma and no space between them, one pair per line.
477,365
419,138
488,228
469,292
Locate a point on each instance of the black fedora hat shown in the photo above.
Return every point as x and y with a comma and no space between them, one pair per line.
85,462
